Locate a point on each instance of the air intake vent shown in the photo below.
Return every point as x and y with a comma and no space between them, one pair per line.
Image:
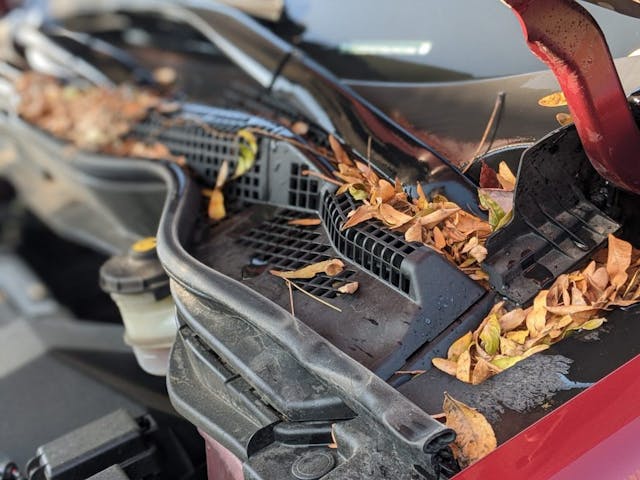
370,245
288,247
206,148
303,190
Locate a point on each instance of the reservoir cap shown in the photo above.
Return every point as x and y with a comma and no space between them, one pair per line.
137,271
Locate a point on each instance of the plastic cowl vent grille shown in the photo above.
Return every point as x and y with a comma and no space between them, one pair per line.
374,248
205,150
288,247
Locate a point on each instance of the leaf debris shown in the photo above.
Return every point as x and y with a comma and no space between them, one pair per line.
474,435
436,222
93,118
331,267
305,222
575,301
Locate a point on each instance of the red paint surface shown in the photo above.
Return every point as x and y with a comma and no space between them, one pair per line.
221,463
565,36
596,435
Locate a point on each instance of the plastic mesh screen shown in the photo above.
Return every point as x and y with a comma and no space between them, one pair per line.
205,149
303,190
290,247
370,245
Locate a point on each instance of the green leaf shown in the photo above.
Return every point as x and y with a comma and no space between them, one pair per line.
496,213
503,362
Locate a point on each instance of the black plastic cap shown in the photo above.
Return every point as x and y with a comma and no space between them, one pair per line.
138,271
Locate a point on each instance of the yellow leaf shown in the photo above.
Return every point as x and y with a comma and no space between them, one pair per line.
490,336
509,347
503,362
447,366
216,210
536,319
459,346
305,222
518,336
349,288
618,260
591,324
463,368
358,192
329,267
533,350
474,436
506,177
556,99
247,150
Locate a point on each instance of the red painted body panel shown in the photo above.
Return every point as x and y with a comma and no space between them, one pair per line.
596,435
567,38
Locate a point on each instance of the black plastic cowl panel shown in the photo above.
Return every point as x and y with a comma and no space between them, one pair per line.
361,391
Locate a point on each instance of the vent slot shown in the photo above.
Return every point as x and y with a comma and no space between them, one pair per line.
303,189
205,150
370,245
289,247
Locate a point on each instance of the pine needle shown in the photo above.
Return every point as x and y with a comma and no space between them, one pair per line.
293,312
318,299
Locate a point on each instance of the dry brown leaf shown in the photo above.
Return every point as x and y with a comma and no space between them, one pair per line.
482,371
474,436
414,233
330,267
361,214
334,443
564,118
216,210
165,76
305,222
415,373
339,152
438,238
349,288
447,366
432,219
512,320
300,128
393,217
618,260
536,319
